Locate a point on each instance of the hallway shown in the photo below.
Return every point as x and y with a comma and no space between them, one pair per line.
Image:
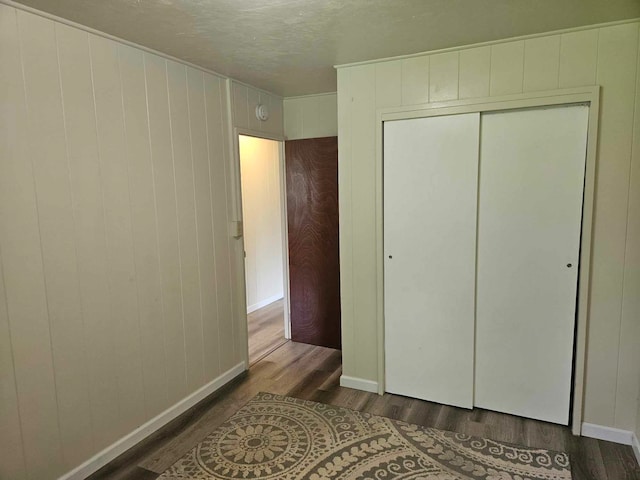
266,330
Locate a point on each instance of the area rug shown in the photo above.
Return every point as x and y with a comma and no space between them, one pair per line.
276,437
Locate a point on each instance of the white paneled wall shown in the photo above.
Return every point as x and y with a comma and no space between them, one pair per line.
311,116
605,56
244,101
117,267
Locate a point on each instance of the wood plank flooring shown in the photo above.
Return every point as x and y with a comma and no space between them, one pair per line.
266,330
310,372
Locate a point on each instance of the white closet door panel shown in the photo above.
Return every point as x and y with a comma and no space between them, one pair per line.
430,203
530,207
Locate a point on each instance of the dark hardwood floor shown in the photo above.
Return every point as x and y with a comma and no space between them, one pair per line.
313,373
266,330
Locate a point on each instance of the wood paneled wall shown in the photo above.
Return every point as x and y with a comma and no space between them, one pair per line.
117,267
311,116
605,56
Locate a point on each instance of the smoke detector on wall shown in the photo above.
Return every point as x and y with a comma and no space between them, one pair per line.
262,112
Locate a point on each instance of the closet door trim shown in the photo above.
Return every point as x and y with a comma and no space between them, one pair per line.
583,95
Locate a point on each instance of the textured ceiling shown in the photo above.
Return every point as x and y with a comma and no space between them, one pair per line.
289,46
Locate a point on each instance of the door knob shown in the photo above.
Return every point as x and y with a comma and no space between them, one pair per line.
569,265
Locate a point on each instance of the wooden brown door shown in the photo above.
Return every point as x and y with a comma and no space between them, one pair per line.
312,217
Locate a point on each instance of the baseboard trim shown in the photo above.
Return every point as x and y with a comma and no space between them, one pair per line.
263,303
117,448
358,383
610,434
636,447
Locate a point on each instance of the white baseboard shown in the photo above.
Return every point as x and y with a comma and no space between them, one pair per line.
263,303
125,443
610,434
358,383
636,447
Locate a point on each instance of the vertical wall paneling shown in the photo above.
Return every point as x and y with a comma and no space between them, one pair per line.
578,58
363,94
12,154
145,229
306,115
75,86
12,144
541,63
507,68
234,208
11,454
215,110
617,50
320,116
187,235
22,256
253,98
244,100
162,161
202,191
443,77
91,247
389,84
55,214
345,213
628,384
415,80
275,122
240,104
117,217
311,116
293,119
475,71
117,273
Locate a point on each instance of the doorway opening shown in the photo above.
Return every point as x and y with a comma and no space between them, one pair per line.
265,244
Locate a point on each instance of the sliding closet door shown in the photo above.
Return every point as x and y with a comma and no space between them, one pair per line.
430,202
530,207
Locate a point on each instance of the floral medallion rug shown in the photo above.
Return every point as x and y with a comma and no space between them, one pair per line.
276,437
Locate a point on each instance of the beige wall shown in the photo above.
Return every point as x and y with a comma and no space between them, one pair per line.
311,116
118,283
262,220
606,56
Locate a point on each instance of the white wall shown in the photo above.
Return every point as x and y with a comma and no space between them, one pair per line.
606,56
119,279
311,116
244,100
262,220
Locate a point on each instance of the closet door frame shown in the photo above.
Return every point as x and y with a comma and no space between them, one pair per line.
589,96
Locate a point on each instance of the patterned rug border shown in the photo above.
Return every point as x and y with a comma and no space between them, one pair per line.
270,445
